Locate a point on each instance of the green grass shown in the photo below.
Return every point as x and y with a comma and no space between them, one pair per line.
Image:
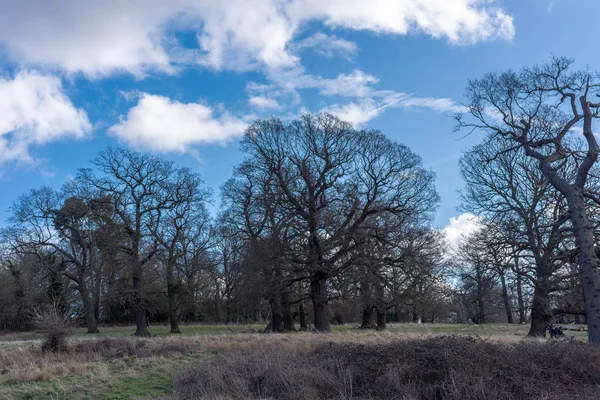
492,331
128,378
155,330
486,330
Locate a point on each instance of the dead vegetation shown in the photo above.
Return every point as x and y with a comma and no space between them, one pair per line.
56,325
430,368
31,363
343,365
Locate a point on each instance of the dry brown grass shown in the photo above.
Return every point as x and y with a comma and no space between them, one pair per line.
30,363
24,361
295,366
429,368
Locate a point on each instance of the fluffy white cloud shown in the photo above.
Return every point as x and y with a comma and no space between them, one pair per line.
100,37
460,227
239,34
328,45
355,84
160,124
264,103
97,37
460,21
34,110
356,112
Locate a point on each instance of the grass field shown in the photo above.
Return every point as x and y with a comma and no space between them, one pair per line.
114,365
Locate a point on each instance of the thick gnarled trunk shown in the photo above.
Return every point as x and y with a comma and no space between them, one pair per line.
541,315
318,291
367,317
588,263
88,305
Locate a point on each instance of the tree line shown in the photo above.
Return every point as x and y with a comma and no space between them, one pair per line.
324,222
317,212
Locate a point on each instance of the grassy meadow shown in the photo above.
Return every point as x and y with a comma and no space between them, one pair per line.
115,365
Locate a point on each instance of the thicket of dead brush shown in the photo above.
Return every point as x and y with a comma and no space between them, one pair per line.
431,368
56,325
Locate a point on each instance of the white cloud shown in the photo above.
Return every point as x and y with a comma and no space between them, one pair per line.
367,102
356,112
460,227
363,110
160,124
264,103
443,105
34,110
101,37
459,21
241,34
48,171
286,82
98,37
328,45
355,84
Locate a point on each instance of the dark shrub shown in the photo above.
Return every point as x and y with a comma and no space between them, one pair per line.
56,325
435,368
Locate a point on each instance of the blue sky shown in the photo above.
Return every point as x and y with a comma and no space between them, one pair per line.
183,78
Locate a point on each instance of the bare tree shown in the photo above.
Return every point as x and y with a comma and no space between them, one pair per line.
68,226
333,179
539,110
254,212
184,219
133,184
506,188
474,271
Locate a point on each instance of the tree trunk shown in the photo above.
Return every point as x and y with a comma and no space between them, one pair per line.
520,292
505,298
97,305
276,315
288,319
227,294
173,319
138,301
480,312
588,263
303,322
88,305
381,319
541,315
462,317
301,311
318,291
367,303
218,318
480,305
172,296
90,320
367,318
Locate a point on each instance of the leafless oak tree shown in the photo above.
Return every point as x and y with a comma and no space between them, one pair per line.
540,109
